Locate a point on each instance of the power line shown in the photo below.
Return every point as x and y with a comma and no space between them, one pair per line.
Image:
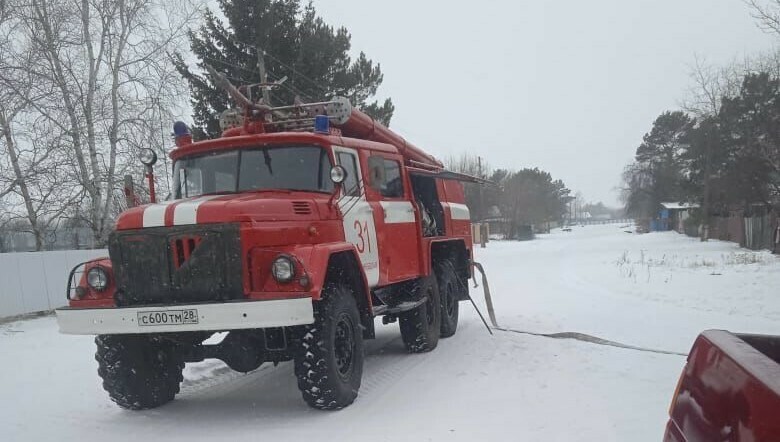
290,88
230,64
292,69
294,72
293,89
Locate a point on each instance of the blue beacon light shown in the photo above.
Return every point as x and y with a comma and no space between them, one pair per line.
321,124
180,129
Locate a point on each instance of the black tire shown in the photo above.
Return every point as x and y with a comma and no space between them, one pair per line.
420,328
449,292
139,372
329,365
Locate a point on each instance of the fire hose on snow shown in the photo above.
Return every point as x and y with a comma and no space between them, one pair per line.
488,299
564,335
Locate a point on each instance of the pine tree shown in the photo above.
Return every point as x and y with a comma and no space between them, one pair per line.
657,175
531,196
750,122
293,42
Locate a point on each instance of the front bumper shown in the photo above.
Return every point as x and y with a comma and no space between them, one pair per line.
210,317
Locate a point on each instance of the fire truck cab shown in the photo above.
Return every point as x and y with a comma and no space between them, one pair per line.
291,233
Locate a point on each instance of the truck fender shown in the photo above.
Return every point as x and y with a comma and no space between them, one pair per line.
319,263
318,266
452,248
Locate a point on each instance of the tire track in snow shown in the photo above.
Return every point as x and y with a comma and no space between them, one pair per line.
388,364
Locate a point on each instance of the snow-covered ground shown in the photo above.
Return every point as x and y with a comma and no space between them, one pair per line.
656,291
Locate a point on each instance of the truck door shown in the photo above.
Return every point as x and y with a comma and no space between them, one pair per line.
398,231
358,216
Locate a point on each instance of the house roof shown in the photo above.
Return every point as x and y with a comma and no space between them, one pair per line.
679,206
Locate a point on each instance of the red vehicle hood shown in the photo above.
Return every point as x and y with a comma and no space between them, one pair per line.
265,206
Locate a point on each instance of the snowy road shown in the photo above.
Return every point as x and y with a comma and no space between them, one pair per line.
655,290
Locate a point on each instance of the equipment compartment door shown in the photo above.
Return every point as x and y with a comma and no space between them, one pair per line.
358,215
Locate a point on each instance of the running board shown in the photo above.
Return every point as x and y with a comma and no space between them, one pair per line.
379,310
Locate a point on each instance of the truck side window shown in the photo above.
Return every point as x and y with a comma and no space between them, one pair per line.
376,172
351,186
385,177
393,186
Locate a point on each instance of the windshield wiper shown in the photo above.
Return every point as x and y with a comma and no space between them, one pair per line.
267,158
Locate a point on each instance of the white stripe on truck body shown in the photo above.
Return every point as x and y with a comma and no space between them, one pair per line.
398,212
186,212
458,211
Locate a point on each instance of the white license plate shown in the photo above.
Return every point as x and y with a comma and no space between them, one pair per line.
168,317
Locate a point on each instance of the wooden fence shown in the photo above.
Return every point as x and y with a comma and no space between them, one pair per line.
752,232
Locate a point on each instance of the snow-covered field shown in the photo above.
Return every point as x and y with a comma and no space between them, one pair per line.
656,291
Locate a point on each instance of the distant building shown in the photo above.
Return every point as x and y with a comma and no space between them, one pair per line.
672,216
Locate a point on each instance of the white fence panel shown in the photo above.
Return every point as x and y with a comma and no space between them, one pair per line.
11,301
36,281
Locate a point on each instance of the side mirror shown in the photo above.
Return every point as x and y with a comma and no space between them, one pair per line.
338,174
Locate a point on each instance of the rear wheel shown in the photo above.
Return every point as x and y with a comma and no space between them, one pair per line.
329,366
139,372
449,290
420,327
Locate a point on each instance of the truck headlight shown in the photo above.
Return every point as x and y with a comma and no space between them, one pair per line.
97,278
283,269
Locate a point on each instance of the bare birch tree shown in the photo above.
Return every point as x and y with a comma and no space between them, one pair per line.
28,152
101,81
710,84
767,12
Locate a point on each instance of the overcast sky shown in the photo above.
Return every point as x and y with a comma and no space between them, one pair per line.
568,86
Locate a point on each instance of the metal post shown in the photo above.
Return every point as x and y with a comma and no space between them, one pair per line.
705,210
263,76
150,178
480,211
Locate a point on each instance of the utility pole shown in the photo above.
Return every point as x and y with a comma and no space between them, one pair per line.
263,75
479,174
705,209
480,213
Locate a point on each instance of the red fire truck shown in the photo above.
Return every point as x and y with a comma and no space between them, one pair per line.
291,233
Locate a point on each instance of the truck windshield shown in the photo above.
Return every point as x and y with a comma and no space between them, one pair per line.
305,168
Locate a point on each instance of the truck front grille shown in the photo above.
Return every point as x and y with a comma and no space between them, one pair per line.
175,265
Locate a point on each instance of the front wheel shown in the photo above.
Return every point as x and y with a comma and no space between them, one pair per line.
138,372
329,365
